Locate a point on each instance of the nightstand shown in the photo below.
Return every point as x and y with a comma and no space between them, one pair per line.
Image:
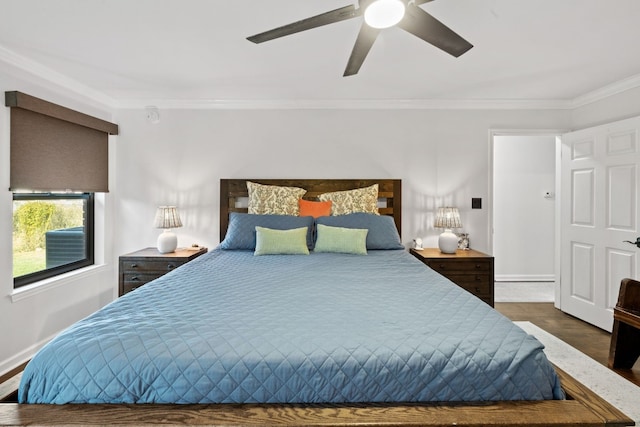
140,267
469,269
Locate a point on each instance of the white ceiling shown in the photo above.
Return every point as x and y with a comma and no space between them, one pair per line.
195,50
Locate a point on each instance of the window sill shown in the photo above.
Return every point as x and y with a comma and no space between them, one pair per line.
54,282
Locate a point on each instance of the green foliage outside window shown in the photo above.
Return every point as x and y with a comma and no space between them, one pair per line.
31,220
52,235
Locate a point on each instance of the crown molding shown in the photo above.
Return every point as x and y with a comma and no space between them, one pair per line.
347,104
38,71
606,91
44,73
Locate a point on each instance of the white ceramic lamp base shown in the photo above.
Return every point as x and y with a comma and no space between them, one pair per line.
167,242
448,242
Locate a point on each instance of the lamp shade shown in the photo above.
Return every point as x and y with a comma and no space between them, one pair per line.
167,217
448,218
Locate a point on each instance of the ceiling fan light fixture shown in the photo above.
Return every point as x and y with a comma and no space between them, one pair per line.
384,13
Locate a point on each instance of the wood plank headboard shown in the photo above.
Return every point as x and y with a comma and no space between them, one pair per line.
234,191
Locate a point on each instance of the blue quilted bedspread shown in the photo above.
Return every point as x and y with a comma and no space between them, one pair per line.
230,327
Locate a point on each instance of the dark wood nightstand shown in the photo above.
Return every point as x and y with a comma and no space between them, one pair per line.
469,269
140,267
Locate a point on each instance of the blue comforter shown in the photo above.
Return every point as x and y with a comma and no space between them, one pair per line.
230,327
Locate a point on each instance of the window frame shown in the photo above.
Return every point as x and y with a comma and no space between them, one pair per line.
89,226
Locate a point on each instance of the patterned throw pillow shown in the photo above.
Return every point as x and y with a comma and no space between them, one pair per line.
273,199
350,201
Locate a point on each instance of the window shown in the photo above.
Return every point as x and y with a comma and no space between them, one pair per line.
59,159
53,233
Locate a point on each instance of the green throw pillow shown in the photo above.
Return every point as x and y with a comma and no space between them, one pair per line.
287,242
342,240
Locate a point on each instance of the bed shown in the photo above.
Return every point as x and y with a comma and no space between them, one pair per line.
323,347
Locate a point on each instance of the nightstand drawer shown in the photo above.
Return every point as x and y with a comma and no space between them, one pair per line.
446,265
469,279
131,286
140,277
479,286
161,267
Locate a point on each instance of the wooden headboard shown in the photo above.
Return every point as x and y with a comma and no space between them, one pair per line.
234,191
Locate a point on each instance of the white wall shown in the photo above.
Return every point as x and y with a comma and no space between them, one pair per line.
523,219
441,156
29,319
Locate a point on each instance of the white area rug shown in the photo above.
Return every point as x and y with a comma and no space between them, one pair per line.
616,390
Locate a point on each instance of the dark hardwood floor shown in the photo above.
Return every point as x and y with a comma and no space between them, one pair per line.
592,341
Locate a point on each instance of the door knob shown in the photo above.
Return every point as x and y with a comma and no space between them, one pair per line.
637,242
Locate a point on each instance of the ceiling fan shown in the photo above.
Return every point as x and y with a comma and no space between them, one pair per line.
378,14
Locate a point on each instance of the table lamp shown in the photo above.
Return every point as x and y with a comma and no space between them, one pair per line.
167,218
448,218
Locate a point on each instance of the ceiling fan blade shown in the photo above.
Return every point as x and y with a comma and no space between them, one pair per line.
366,38
419,2
337,15
419,23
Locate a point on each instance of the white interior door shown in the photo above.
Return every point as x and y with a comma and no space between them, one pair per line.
599,211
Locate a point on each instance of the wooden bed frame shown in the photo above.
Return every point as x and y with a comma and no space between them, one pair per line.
582,408
234,191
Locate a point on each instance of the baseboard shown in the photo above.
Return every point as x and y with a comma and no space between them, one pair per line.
525,278
11,363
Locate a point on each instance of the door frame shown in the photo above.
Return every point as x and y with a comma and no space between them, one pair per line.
557,133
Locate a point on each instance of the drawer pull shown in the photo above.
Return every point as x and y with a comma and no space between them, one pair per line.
135,279
134,265
170,267
478,266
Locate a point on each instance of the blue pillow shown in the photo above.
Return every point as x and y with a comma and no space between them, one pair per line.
383,233
241,233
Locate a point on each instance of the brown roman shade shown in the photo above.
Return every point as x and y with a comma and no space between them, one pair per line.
54,148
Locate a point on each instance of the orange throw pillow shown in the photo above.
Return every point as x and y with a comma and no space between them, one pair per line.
314,209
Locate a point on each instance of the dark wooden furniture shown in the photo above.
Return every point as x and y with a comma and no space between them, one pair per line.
140,267
469,269
234,194
582,408
625,338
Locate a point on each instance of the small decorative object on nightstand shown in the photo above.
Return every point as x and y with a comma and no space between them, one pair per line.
417,243
167,218
140,267
463,241
448,218
469,269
